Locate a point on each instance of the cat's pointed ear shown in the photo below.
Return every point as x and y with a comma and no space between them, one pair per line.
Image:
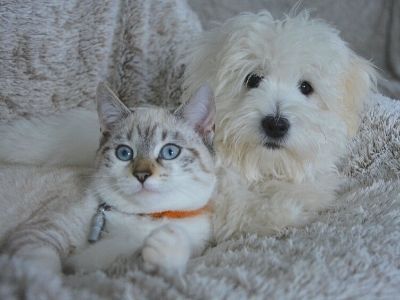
109,108
199,112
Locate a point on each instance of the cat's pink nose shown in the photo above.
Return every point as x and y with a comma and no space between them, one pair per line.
142,176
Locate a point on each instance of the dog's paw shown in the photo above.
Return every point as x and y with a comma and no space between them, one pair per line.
166,249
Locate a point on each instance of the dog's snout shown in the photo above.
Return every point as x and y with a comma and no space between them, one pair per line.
275,127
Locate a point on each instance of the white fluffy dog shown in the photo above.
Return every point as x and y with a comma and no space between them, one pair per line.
288,95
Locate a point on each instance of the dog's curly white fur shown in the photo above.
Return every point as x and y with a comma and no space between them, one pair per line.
288,95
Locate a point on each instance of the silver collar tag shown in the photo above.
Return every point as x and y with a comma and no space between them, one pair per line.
98,223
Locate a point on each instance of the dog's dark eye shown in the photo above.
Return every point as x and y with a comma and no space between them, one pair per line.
253,80
306,88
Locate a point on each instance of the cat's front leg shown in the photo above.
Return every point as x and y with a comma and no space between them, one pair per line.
167,249
47,239
101,254
43,257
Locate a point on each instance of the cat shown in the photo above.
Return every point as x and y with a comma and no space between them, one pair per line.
150,192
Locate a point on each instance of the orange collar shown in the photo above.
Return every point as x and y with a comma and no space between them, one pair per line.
180,214
99,219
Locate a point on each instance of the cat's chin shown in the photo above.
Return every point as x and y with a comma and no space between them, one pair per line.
140,190
150,201
147,191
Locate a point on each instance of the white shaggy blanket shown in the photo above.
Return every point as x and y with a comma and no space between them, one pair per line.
52,57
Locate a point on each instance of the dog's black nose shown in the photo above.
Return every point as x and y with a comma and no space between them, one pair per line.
275,127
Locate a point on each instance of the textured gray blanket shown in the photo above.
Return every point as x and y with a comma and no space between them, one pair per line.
53,53
51,57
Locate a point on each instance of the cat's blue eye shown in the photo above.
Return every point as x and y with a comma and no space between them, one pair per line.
170,151
124,153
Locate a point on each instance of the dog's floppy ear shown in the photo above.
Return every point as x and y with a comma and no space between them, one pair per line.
199,112
359,81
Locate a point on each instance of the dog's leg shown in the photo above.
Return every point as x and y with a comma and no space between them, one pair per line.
282,205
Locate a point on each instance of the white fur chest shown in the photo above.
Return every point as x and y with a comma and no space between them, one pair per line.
121,224
138,228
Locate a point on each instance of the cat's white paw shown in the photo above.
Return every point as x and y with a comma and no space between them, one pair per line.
166,249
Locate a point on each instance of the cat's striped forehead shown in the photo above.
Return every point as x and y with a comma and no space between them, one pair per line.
146,127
